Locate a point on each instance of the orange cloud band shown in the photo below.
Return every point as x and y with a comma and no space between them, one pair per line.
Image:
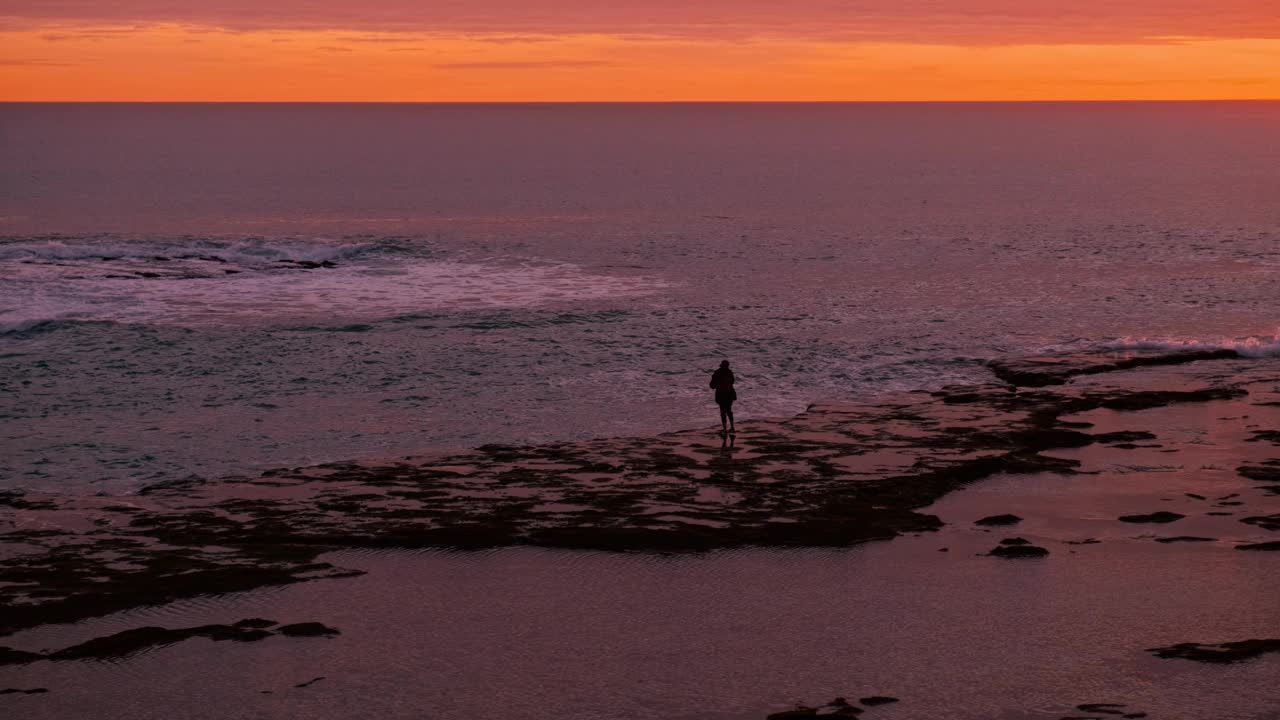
172,62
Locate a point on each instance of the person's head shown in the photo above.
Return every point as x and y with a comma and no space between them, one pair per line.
724,364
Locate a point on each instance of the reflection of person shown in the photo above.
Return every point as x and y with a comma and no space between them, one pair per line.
722,383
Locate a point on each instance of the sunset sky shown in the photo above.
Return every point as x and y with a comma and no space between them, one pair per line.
588,50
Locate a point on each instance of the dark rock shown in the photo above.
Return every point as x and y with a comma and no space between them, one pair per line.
16,499
32,691
1045,371
1266,522
1127,436
308,629
1086,541
310,682
9,656
1265,547
1015,541
874,700
1228,652
1195,496
1267,472
1155,517
1104,708
1159,398
1271,436
128,642
1019,551
1051,438
1184,538
996,520
796,714
838,708
189,538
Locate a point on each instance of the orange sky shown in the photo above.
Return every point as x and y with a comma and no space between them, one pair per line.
554,50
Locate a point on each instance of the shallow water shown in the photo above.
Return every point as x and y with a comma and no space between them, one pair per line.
525,274
930,619
537,634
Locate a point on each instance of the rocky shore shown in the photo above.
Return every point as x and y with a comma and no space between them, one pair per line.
836,475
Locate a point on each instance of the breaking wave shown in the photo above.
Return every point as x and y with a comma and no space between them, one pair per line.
31,326
247,252
1254,346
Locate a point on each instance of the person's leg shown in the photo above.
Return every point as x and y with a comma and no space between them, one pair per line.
729,411
724,416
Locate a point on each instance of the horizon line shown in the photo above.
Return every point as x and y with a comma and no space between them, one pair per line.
1040,101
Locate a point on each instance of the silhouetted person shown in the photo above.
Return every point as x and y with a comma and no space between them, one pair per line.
722,383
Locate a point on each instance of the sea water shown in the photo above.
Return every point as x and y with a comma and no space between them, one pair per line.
211,289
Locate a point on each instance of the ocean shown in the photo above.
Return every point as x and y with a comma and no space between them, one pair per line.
208,289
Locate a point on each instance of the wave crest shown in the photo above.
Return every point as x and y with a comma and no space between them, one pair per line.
247,252
1254,346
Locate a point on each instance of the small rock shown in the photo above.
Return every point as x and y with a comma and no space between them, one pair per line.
1265,547
1155,517
1184,538
1228,652
1105,708
1127,437
1019,551
874,700
1266,522
800,712
307,629
997,520
1267,472
1015,541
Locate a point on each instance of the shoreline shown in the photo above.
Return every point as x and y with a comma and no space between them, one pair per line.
1015,509
836,475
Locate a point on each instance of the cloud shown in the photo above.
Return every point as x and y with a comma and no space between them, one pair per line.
515,39
530,65
916,21
32,62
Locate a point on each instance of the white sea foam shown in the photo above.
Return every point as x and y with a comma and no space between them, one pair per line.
1255,346
200,293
